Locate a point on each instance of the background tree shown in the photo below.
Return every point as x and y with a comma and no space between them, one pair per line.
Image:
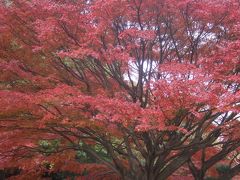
142,87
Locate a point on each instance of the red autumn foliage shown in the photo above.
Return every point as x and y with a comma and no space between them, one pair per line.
148,89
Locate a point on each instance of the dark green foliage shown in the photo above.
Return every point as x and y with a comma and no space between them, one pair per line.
223,169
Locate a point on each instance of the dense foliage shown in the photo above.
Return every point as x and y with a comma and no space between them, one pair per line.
130,89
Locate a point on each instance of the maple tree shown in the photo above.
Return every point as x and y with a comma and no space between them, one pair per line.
141,88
